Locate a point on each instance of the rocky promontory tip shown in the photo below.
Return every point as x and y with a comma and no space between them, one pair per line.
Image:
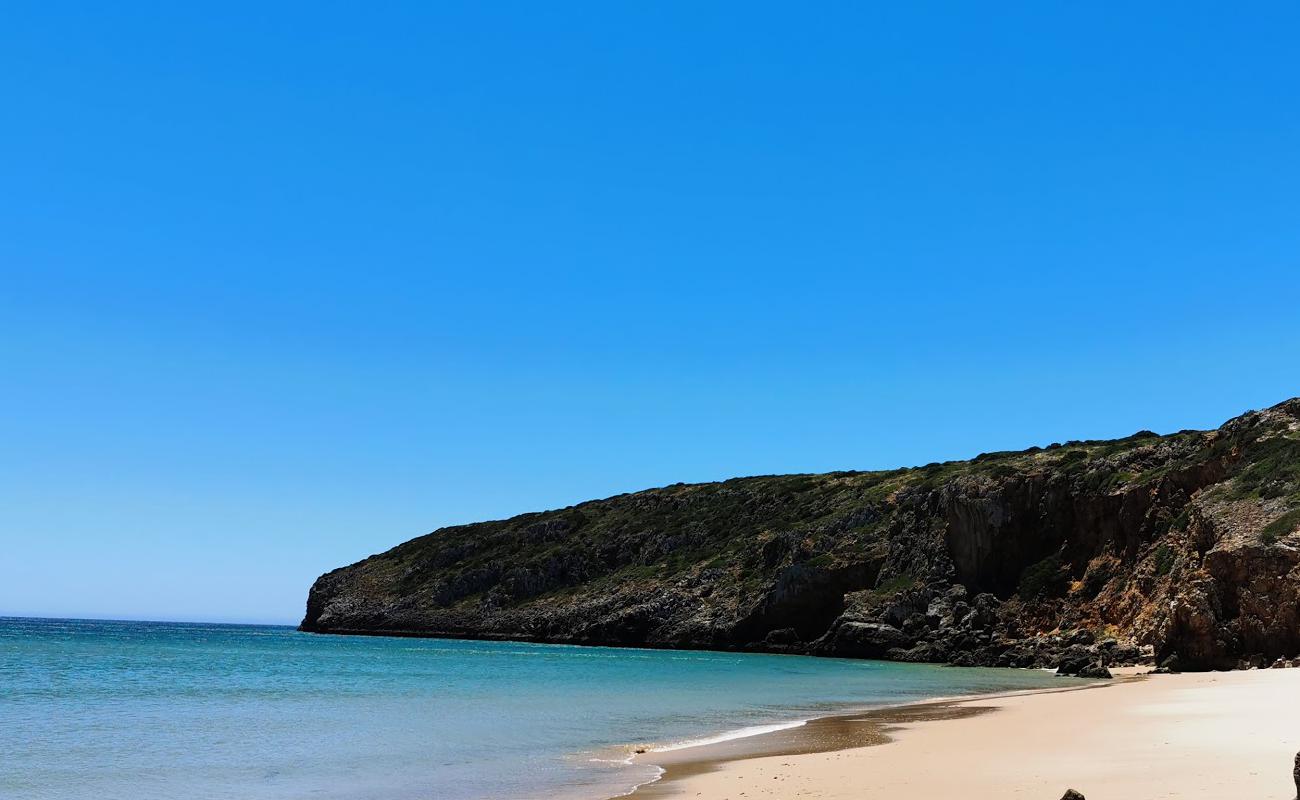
1181,550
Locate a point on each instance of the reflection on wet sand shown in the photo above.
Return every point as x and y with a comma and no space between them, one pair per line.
820,735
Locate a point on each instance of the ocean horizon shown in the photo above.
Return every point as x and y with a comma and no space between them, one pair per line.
127,709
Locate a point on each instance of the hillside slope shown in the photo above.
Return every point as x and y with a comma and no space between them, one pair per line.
1181,547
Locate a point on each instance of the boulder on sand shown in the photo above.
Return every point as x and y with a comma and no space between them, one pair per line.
1295,773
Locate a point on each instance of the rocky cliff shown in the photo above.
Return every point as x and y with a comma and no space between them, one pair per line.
1183,548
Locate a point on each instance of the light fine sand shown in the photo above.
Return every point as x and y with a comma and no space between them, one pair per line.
1216,736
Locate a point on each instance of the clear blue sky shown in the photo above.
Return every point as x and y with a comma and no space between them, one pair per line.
287,284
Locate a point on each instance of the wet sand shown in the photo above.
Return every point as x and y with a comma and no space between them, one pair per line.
1211,736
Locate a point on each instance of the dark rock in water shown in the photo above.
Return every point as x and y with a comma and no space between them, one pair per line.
1071,794
1182,549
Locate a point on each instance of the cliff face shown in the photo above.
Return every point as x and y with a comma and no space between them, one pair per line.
1183,546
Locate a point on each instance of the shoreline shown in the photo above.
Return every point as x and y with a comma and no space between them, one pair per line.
847,730
1204,735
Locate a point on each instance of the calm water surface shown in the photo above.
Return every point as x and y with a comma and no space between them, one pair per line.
140,710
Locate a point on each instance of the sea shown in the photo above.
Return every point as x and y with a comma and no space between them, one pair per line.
107,710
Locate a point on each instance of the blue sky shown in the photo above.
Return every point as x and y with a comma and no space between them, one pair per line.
286,285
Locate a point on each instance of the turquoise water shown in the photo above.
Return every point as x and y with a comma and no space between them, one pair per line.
137,710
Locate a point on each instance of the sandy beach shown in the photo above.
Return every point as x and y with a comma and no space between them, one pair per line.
1216,736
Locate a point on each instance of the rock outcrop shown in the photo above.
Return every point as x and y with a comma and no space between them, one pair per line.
1182,549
